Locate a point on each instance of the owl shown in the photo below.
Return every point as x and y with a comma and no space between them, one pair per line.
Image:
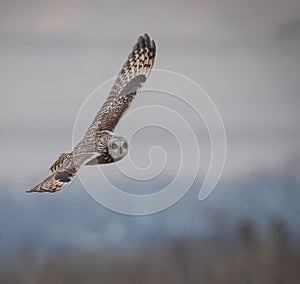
100,145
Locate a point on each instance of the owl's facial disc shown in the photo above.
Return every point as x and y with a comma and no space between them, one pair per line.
118,148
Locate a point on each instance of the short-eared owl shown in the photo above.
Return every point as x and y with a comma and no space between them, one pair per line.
99,144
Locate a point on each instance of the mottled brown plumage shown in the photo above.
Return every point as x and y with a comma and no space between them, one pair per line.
59,162
97,145
131,77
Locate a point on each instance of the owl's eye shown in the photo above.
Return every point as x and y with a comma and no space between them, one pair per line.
114,146
125,145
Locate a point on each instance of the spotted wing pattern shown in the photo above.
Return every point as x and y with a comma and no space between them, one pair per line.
130,79
59,162
56,181
63,171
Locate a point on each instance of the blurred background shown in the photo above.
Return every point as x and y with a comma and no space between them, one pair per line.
246,56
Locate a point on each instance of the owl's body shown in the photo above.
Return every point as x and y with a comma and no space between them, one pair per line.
99,144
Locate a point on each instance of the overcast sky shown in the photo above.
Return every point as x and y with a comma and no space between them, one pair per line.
54,53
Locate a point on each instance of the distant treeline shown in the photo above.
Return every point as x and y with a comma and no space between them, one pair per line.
242,259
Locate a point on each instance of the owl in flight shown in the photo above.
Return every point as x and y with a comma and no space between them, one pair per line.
99,144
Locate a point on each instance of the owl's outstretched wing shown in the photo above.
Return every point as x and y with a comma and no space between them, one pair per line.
130,79
63,171
56,181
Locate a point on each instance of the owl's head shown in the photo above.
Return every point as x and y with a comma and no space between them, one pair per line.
117,148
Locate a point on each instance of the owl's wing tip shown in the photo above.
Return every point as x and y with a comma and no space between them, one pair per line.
153,46
34,189
145,40
37,189
55,182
